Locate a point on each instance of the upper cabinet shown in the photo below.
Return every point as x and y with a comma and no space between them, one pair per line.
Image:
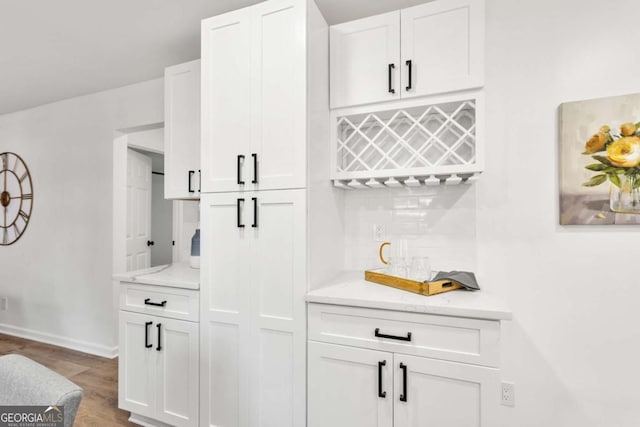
432,48
182,131
254,99
365,58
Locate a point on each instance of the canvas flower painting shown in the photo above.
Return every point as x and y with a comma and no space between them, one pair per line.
600,161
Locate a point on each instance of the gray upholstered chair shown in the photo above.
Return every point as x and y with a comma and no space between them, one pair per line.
25,382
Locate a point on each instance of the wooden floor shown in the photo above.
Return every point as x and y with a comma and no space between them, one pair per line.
97,376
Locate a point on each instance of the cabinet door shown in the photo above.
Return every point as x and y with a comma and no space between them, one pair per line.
277,159
439,393
350,387
442,47
365,60
182,131
177,372
136,364
226,62
226,275
278,312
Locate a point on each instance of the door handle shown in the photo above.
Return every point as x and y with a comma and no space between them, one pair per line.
146,335
391,67
410,65
147,301
239,166
239,211
150,243
381,393
159,347
255,212
393,337
189,181
403,396
255,168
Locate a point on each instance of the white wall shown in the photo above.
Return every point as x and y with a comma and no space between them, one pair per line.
58,275
573,345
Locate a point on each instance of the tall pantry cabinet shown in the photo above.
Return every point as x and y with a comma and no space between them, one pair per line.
269,214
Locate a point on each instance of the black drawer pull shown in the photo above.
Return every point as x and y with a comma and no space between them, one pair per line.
410,66
393,337
390,72
403,396
239,166
189,181
255,212
199,180
255,168
381,393
239,204
147,301
159,347
146,335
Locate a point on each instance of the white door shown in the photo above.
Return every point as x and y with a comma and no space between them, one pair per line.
350,387
277,159
276,222
182,131
136,367
176,349
138,210
226,275
365,60
226,88
442,47
439,393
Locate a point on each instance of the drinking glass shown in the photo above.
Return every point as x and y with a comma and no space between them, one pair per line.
420,269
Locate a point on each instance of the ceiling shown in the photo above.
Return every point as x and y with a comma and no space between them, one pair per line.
57,49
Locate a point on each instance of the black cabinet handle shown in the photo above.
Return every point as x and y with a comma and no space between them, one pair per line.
403,396
199,180
381,393
255,168
393,337
146,335
255,212
159,347
189,181
147,301
239,210
391,89
150,243
239,165
409,64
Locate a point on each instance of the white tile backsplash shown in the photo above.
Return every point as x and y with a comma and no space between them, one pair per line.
438,222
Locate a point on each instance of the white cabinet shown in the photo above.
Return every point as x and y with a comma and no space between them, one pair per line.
182,131
253,313
265,112
254,98
349,386
431,48
365,58
159,361
405,369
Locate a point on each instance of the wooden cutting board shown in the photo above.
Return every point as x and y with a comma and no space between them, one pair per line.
429,288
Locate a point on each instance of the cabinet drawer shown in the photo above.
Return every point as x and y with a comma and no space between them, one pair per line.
441,337
160,301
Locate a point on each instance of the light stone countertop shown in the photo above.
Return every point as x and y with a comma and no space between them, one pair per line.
351,289
178,275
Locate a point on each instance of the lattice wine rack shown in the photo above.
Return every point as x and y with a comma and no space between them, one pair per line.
409,146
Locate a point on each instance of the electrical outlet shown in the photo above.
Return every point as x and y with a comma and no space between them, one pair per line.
378,233
508,393
4,303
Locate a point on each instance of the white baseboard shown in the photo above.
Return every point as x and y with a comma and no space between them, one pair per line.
60,341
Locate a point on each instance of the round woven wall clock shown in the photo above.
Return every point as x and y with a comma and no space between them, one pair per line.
16,198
